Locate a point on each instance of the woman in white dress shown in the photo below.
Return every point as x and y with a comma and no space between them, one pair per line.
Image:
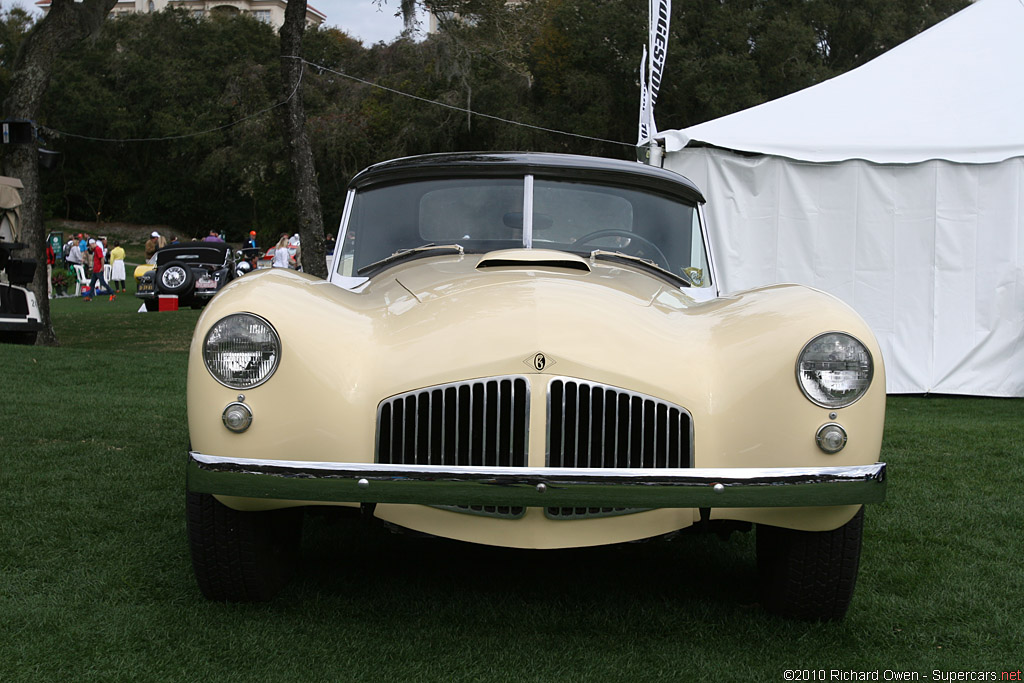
117,274
282,256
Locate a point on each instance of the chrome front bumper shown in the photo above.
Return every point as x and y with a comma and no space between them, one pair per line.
536,487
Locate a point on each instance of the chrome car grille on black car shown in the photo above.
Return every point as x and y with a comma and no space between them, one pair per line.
482,422
485,422
596,425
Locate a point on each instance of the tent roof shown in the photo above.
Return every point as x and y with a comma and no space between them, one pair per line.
954,92
10,198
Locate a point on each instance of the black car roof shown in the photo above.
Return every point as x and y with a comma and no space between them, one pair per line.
599,169
194,252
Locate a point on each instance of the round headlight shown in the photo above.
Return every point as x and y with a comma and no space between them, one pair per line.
834,370
241,351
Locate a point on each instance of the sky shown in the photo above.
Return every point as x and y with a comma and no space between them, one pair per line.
362,19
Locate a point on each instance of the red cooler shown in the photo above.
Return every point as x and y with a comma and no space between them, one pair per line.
168,302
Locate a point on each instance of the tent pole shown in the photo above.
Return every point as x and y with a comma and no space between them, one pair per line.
652,154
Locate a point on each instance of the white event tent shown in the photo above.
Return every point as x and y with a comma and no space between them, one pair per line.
899,188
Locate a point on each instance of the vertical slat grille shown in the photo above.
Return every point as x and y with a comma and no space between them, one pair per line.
482,422
598,426
588,513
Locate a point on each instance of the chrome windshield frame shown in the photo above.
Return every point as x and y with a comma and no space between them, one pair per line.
528,211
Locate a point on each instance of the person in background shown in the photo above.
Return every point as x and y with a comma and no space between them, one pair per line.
101,245
282,257
213,237
51,260
251,250
152,244
329,243
73,254
83,246
117,274
174,240
97,271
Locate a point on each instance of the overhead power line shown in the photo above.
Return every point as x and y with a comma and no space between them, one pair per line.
321,69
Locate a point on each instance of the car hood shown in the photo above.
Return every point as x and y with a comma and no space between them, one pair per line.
444,319
526,276
453,316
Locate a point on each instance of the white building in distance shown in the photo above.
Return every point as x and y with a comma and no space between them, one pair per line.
268,11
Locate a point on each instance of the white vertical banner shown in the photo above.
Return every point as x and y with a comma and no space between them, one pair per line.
646,115
650,75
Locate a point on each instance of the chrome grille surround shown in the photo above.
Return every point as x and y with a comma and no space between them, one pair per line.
594,425
481,422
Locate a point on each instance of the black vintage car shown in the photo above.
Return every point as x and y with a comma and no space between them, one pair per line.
192,272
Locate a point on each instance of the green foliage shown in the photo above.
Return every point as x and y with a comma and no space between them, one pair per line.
168,75
61,280
569,65
14,25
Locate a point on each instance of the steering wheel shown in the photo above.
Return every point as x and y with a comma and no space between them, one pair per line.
658,256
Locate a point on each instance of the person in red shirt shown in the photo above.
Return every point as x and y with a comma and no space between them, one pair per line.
51,259
97,271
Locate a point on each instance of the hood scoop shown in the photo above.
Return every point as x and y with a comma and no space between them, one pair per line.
533,259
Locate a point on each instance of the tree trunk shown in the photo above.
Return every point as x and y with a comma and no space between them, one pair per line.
66,24
304,180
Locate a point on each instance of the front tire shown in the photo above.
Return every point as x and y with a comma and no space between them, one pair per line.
809,575
241,556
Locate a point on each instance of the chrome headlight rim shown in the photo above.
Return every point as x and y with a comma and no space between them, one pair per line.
277,350
237,408
843,403
821,439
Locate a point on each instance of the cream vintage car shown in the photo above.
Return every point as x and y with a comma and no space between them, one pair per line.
532,351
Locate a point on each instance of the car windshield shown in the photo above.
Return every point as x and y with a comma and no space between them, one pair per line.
485,214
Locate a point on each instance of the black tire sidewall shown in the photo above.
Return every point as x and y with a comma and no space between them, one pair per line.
809,575
241,556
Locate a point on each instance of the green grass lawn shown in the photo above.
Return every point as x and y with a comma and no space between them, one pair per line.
96,582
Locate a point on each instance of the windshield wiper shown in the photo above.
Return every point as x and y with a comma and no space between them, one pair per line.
646,263
402,254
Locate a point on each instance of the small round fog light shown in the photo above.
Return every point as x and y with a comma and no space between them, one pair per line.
237,417
831,438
